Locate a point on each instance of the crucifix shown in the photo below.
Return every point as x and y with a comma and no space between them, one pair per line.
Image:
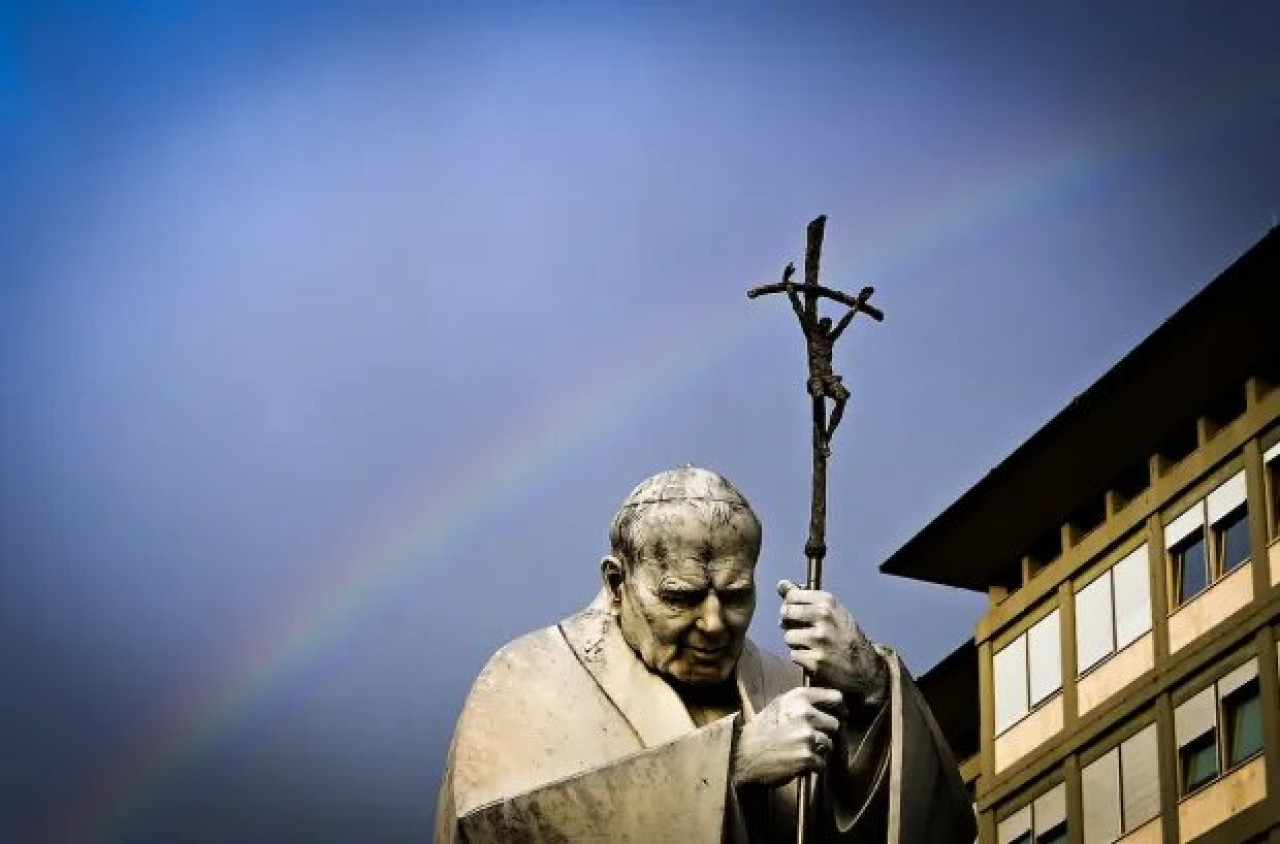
823,386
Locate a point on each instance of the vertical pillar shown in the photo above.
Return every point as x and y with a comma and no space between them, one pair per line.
1075,800
1168,763
987,713
1067,631
987,827
1159,588
1256,495
1269,688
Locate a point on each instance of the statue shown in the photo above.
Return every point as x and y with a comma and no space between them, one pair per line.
650,716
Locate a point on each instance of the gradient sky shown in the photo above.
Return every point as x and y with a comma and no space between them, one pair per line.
331,335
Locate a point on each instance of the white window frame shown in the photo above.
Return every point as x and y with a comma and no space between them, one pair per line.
1125,824
1271,473
1205,515
1040,816
1139,557
1218,690
1049,677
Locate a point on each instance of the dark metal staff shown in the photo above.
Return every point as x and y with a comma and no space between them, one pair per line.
823,386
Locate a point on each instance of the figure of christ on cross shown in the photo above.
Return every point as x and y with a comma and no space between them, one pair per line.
820,341
819,332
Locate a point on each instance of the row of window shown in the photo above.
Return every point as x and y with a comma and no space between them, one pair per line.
1217,730
1203,544
1112,611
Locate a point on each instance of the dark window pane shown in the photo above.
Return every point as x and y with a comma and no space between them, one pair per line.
1193,573
1025,838
1199,761
1273,495
1057,835
1243,711
1233,540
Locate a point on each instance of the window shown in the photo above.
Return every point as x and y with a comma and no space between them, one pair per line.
1209,540
1120,790
1271,459
1198,762
1044,659
1229,709
1231,541
1043,821
1095,627
1191,568
1113,610
1028,671
1132,589
1242,723
1011,684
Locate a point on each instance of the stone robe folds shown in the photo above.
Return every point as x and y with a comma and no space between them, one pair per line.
567,736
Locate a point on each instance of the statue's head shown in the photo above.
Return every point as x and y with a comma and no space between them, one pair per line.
681,575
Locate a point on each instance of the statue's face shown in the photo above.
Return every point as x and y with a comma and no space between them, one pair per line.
685,604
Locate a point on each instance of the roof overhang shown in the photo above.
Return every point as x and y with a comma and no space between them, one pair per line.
1215,341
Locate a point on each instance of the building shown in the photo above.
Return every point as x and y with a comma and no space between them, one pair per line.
1122,682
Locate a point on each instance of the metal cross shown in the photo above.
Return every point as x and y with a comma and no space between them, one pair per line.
823,386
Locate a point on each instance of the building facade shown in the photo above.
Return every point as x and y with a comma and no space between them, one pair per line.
1122,684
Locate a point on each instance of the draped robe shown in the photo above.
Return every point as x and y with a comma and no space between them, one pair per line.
567,736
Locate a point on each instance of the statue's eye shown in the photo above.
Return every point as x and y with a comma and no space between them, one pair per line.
736,596
682,597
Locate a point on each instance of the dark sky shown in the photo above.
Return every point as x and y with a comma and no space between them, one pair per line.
331,334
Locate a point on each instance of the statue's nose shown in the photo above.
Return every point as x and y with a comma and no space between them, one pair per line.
711,620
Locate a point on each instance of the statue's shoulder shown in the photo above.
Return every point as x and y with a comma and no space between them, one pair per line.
544,657
523,659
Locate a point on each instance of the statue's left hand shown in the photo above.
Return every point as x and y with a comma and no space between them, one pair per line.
825,640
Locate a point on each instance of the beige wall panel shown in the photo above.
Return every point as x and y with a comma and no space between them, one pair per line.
1116,673
1229,796
1029,733
1220,601
1274,553
1149,833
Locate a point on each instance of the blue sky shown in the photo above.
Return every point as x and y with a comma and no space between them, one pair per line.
331,335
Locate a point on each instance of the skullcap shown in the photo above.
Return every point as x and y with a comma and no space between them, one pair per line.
686,483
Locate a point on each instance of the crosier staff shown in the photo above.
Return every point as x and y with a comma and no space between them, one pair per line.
823,386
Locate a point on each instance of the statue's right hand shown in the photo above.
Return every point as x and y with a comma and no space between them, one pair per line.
792,735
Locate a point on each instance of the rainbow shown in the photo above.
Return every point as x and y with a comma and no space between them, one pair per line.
370,568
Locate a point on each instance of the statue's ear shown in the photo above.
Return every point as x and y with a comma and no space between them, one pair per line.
614,575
